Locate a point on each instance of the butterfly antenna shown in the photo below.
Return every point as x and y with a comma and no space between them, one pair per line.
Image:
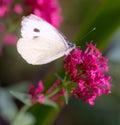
58,77
88,33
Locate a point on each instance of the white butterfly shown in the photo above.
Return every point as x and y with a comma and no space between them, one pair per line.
41,43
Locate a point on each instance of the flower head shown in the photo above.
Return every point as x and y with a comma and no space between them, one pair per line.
47,9
18,9
5,7
59,94
10,39
37,94
87,70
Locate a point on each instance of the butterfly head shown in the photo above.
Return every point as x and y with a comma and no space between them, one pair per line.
71,46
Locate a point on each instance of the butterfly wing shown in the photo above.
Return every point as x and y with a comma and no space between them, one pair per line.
40,50
34,26
41,42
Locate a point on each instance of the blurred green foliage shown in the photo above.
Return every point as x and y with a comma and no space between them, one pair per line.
80,17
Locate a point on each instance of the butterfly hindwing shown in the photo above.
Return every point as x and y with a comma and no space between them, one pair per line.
39,50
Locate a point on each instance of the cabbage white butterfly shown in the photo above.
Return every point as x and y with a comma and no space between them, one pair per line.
41,43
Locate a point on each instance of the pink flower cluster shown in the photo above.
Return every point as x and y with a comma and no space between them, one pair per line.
6,39
37,94
8,6
87,68
5,7
47,9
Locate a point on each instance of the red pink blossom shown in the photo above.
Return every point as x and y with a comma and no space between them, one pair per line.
38,94
87,68
47,9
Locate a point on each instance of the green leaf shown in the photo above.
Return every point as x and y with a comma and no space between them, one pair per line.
8,108
106,20
23,117
44,114
19,87
23,97
49,102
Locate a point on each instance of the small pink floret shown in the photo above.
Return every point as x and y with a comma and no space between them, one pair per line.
18,9
41,99
3,10
10,39
5,7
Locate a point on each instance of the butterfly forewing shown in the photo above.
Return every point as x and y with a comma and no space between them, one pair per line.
33,26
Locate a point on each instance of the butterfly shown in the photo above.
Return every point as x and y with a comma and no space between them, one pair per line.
41,43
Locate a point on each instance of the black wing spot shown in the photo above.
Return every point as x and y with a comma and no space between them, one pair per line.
36,30
34,37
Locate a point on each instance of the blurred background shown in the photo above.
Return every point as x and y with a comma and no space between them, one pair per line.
79,18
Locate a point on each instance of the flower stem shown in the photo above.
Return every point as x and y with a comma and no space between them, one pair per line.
20,114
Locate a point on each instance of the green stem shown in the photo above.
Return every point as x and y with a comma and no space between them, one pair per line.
54,92
20,114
